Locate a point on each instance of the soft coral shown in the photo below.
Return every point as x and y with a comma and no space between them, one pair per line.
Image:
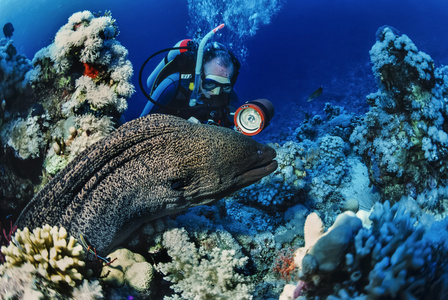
90,71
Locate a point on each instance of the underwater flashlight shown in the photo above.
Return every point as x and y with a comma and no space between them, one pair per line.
254,116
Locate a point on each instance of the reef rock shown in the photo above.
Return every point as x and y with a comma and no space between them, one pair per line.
403,138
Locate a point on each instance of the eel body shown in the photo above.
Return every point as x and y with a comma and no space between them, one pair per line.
148,168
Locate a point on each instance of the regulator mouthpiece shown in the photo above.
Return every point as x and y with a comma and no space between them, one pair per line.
254,116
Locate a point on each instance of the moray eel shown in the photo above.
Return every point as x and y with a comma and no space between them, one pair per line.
148,168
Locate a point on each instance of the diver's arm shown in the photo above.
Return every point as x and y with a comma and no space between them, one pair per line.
163,94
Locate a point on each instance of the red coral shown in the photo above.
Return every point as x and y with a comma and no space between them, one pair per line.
284,264
76,26
90,71
7,238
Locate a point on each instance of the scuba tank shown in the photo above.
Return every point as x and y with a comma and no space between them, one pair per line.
179,59
157,75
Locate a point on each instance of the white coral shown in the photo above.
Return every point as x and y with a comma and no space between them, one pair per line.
199,274
91,130
89,290
25,136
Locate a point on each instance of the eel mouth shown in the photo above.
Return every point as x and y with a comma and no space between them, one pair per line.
263,167
261,171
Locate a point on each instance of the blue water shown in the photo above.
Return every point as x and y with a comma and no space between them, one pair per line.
305,45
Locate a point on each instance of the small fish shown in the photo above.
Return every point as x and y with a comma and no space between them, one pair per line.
8,29
315,94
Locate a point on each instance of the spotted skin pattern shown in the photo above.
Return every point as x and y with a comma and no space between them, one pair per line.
148,168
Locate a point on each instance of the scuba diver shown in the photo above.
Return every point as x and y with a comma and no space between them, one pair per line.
195,82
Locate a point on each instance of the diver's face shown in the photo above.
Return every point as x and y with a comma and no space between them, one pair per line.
219,72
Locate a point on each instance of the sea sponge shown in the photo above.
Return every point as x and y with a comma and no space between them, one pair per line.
130,268
329,250
47,249
313,230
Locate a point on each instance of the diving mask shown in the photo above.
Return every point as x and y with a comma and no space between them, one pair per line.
214,83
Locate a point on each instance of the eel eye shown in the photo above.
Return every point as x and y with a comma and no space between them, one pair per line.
178,185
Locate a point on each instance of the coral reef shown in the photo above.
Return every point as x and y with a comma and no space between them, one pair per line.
281,187
89,290
203,273
25,282
403,137
87,70
43,264
47,249
272,233
392,257
13,67
320,174
16,188
71,96
27,135
337,121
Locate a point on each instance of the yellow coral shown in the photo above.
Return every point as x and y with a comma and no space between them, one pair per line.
48,250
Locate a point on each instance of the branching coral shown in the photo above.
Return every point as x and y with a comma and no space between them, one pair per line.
47,249
25,282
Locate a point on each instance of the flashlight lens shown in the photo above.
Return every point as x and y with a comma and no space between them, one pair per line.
250,119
